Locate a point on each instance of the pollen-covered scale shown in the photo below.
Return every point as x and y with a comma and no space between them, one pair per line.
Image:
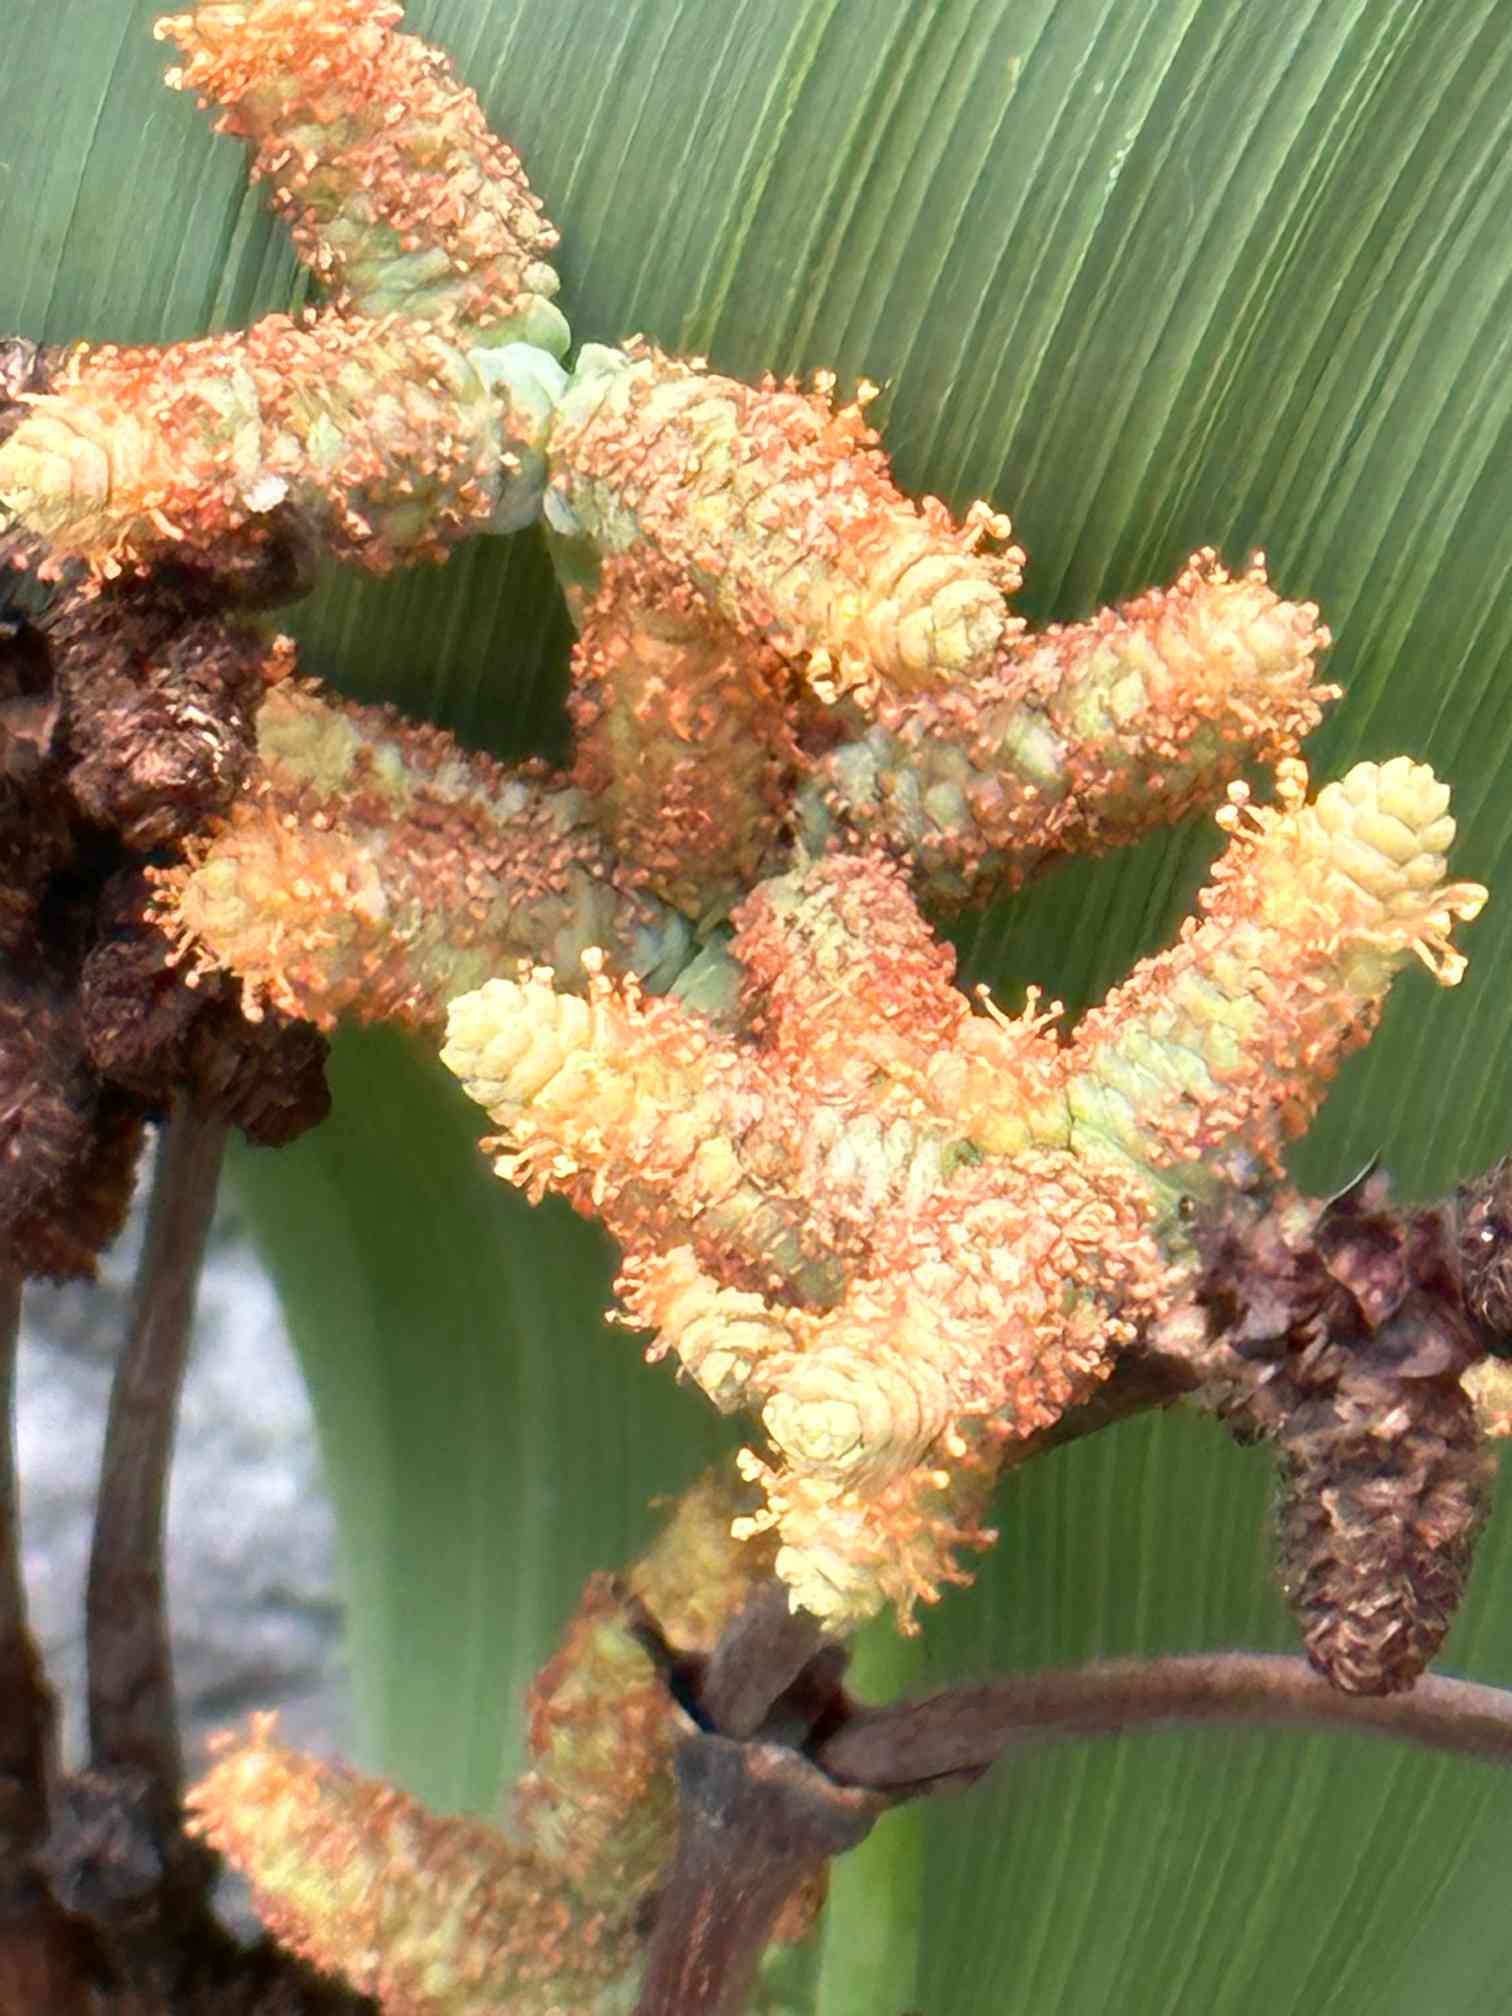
694,977
899,1231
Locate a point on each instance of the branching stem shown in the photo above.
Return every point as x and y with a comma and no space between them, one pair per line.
758,1658
757,1819
904,1747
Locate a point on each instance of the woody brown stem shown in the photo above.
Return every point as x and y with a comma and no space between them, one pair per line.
26,1708
132,1720
757,1820
1136,1384
904,1747
757,1659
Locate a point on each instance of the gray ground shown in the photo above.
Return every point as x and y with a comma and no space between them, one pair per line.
253,1577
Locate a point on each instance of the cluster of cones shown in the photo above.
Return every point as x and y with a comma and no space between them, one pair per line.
126,721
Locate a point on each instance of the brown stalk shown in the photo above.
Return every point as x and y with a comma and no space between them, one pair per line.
132,1721
901,1749
26,1707
1136,1384
757,1821
758,1657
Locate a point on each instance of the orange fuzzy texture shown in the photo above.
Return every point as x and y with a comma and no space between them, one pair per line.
772,1152
643,1115
1001,1296
980,1317
1229,1039
599,1800
781,508
962,1298
694,1579
826,1012
845,1552
373,866
443,1916
380,160
1082,736
1003,1208
684,739
431,1916
853,999
377,434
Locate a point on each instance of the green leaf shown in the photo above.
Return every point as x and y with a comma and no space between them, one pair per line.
1151,276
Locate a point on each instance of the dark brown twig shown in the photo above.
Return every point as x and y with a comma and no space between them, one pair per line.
903,1747
132,1721
1136,1384
26,1708
37,1970
757,1820
140,1931
756,1661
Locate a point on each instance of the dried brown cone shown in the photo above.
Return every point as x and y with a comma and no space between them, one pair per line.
126,721
1483,1208
135,1009
1384,1490
34,821
160,694
62,1235
267,1077
1341,1331
68,1143
148,1028
48,1095
28,708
